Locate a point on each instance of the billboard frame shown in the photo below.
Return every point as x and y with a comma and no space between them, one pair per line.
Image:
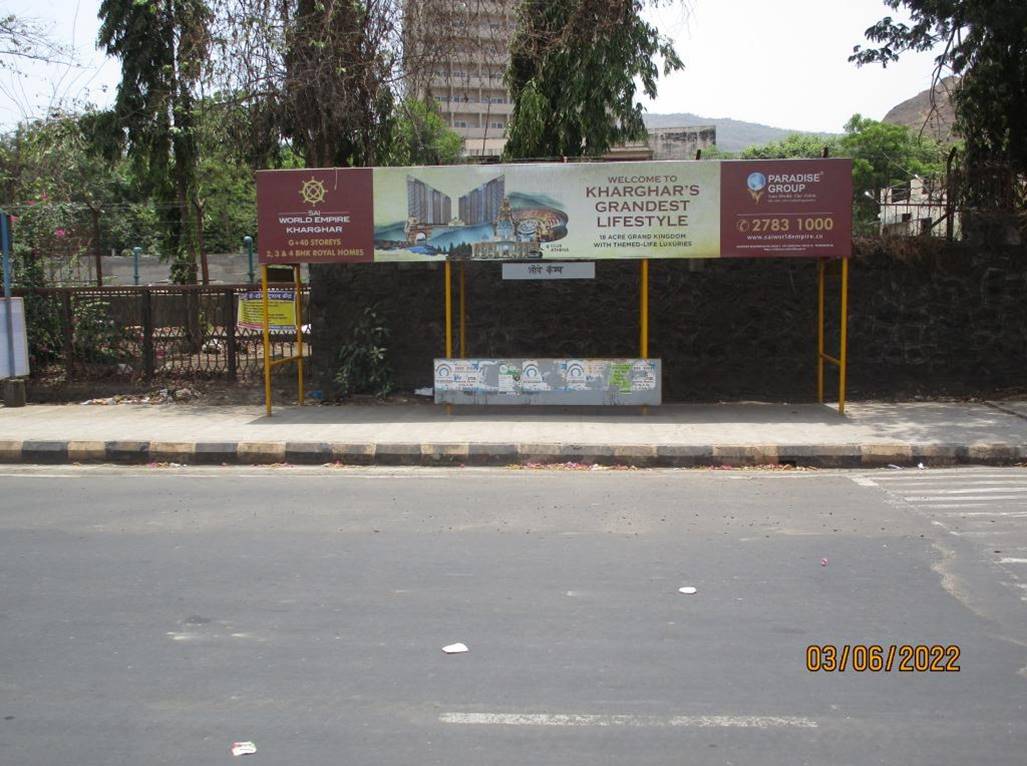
839,361
269,363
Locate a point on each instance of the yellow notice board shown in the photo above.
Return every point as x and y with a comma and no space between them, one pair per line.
281,310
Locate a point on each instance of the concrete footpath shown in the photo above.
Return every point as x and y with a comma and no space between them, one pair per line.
870,434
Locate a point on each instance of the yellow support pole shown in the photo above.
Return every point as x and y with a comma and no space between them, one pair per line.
449,320
463,314
643,323
644,320
820,330
267,339
449,312
845,336
298,298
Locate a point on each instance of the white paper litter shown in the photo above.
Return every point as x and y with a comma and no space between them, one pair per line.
688,590
243,748
424,391
921,466
455,649
895,467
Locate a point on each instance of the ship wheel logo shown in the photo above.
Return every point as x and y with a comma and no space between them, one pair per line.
313,191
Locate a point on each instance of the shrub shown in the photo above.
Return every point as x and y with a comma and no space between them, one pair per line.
362,364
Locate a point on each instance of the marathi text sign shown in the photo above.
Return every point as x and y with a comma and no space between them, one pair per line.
281,311
551,270
594,211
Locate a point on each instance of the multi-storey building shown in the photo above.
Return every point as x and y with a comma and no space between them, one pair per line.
427,204
481,205
458,52
465,48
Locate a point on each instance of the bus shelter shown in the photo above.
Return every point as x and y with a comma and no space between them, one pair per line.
552,221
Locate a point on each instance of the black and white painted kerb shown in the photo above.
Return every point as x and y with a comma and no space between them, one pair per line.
874,455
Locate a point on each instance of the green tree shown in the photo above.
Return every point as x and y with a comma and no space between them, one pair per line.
318,76
985,43
162,45
573,76
716,153
225,192
421,137
885,155
56,177
794,146
338,69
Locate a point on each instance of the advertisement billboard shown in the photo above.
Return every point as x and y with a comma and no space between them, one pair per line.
314,216
525,212
786,208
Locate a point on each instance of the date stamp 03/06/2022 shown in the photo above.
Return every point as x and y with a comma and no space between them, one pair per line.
877,658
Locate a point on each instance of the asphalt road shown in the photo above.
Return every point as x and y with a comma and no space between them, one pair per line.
154,616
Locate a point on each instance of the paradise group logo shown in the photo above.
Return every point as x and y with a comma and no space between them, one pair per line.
757,183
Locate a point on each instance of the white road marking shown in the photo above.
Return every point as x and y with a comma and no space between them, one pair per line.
939,506
943,498
948,475
1009,514
954,478
955,471
632,721
964,487
987,507
907,478
964,491
864,481
989,534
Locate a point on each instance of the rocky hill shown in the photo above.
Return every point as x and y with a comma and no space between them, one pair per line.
936,120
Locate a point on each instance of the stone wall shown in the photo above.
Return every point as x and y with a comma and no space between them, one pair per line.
934,321
224,268
681,143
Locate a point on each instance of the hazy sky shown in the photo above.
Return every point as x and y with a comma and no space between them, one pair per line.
780,63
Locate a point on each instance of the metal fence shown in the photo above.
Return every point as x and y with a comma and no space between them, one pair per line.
150,332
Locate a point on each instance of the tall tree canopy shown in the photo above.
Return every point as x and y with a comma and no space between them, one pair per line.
337,71
320,74
162,46
985,42
572,76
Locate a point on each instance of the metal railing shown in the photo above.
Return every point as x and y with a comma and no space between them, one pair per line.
150,332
